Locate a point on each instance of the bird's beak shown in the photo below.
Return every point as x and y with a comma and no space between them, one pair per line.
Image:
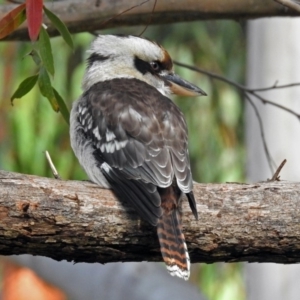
181,87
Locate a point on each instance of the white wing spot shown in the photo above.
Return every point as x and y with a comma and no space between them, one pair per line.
120,145
106,167
97,134
90,122
110,135
83,110
112,146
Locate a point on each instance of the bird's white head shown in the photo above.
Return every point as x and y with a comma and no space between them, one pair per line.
113,56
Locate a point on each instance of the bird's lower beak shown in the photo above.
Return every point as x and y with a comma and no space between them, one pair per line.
183,88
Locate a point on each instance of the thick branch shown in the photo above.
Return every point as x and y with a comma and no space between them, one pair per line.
79,221
91,15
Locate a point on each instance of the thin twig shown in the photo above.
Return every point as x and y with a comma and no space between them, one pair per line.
276,176
254,92
274,87
265,101
150,19
210,74
262,134
122,13
290,4
245,89
53,169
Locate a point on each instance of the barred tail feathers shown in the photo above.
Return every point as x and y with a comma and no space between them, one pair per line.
172,244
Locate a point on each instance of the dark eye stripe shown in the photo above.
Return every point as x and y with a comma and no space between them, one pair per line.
145,67
96,57
142,66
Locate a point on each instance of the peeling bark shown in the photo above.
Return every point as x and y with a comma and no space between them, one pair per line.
91,15
78,221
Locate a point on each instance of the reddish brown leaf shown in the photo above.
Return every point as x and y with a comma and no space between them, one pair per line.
12,20
34,13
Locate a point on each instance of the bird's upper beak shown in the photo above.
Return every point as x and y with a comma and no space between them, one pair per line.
181,87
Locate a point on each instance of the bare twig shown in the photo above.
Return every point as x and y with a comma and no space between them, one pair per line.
245,89
265,101
276,176
290,4
150,19
121,13
274,87
253,92
262,134
53,169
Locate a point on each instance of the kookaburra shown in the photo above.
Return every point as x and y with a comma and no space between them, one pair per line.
128,136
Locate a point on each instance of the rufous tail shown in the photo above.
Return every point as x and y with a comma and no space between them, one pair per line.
172,244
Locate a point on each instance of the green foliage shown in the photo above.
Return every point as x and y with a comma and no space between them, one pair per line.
46,51
25,87
29,127
36,57
62,105
46,88
221,281
60,26
42,57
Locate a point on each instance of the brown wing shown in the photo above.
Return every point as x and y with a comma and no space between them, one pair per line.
140,138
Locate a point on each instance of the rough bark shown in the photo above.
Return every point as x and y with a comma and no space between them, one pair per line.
79,221
91,15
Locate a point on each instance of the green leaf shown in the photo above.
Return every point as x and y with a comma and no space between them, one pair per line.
46,88
46,51
60,26
62,106
25,86
35,56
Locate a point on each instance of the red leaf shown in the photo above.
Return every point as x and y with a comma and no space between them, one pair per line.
34,13
12,20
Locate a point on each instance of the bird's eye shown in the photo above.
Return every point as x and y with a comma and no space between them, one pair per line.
155,66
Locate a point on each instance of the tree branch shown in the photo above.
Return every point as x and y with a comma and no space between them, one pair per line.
290,4
91,15
79,221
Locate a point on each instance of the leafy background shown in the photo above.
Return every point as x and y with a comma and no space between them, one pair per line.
215,122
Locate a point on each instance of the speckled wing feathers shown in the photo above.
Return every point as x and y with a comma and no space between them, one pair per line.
139,133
